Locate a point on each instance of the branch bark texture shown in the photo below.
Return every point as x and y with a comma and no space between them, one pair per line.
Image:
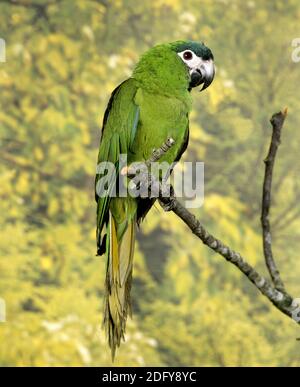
277,122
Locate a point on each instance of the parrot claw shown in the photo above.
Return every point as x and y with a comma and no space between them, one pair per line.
124,171
171,195
166,207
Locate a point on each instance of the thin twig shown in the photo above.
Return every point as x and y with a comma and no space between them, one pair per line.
277,121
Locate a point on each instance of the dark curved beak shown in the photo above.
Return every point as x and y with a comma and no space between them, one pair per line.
207,69
203,74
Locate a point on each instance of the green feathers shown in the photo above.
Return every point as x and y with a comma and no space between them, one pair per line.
160,71
118,281
116,217
142,113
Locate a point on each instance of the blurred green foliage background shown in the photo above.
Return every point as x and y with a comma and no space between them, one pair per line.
64,58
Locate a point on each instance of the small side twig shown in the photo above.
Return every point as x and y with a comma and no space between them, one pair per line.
277,121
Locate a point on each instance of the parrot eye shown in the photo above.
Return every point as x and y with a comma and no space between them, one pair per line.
187,55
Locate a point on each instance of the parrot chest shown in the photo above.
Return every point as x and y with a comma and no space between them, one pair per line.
161,117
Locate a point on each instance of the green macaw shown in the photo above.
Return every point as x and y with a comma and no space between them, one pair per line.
143,111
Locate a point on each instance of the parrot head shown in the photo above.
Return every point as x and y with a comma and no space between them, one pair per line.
199,60
176,67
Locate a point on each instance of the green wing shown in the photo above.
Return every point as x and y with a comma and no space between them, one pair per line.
119,128
116,216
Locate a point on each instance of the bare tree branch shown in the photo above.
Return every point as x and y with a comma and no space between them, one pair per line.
275,292
277,121
281,299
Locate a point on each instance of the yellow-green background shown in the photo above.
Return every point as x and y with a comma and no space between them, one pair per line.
191,307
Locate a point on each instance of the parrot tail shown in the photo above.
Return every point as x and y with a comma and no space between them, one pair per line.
117,305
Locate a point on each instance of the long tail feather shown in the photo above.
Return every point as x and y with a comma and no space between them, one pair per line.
117,305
